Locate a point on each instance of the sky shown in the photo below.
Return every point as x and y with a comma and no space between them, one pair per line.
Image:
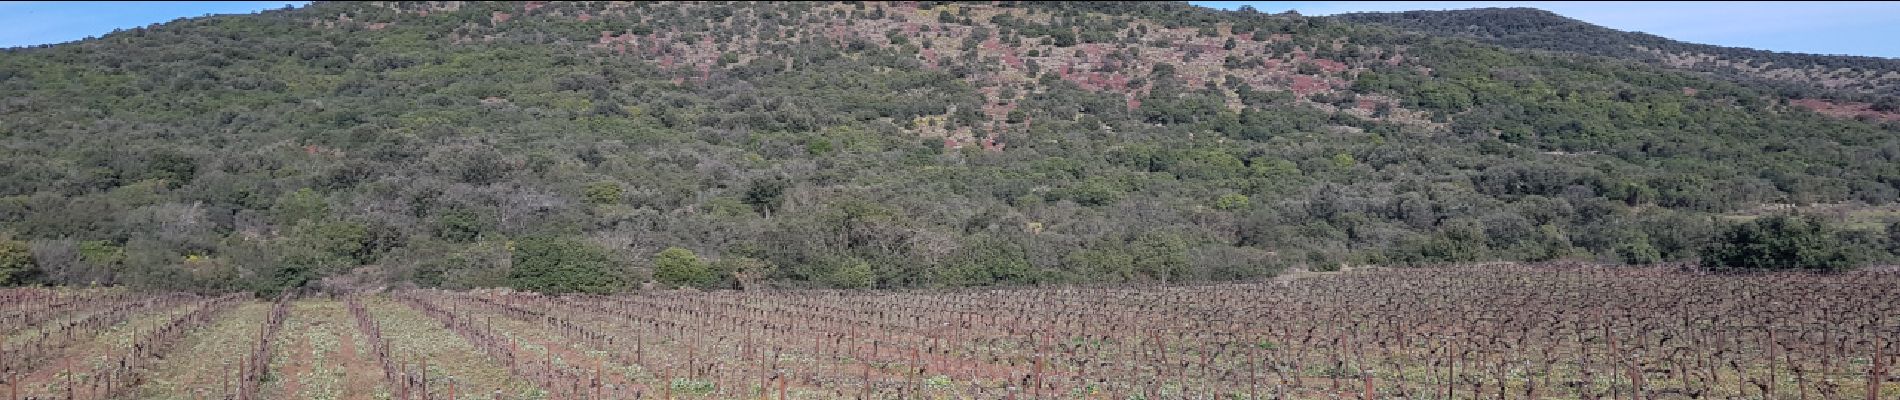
1833,27
29,23
1857,28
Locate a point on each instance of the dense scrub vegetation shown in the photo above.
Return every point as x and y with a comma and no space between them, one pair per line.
1785,242
1788,74
594,147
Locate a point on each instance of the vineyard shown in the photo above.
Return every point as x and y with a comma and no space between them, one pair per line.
1507,332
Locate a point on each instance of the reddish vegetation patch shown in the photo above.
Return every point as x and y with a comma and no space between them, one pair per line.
999,110
1367,104
990,143
992,44
1845,109
1329,66
1304,85
1112,67
1013,61
1098,81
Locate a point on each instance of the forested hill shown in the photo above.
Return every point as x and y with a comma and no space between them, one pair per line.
600,146
1842,77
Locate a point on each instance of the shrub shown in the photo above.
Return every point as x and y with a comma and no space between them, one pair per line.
692,386
739,272
677,267
561,265
1222,262
1780,242
1889,104
16,262
1893,238
303,204
988,261
603,193
1231,201
1637,252
851,274
459,226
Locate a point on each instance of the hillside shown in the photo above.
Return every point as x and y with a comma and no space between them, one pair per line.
567,146
1848,81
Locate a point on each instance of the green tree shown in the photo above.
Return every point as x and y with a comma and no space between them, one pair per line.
1094,192
766,194
851,274
1063,39
1887,104
1160,256
988,261
16,262
1636,249
1231,201
303,204
676,267
563,265
1893,238
603,193
740,272
459,226
100,252
354,242
1781,242
819,145
1456,241
1344,161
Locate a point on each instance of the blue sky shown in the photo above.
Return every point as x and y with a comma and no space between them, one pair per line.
44,22
1859,28
1833,27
